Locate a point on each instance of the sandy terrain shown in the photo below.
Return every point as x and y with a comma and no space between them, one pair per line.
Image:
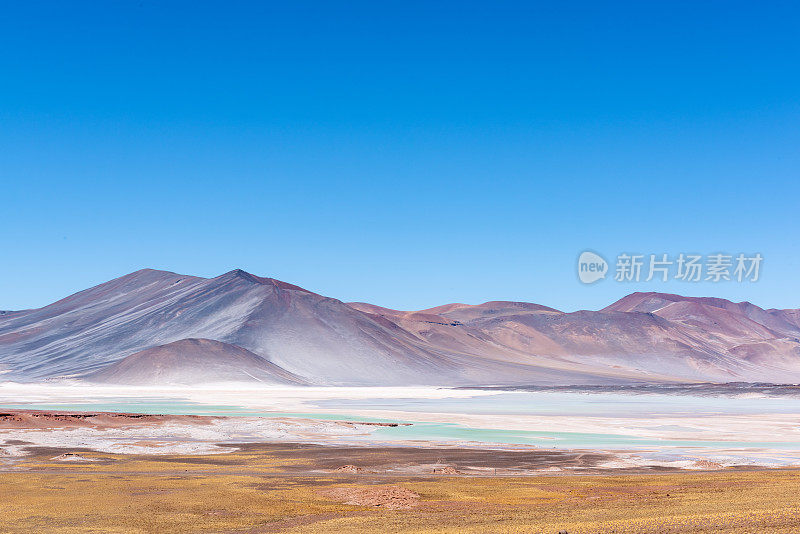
300,488
129,433
42,419
69,472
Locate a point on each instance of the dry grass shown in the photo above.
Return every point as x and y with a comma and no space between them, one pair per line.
250,492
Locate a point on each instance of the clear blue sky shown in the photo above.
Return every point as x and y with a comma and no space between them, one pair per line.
407,154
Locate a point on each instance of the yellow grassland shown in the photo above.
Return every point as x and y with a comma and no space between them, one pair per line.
255,492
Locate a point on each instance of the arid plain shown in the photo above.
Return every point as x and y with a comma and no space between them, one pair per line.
297,489
319,488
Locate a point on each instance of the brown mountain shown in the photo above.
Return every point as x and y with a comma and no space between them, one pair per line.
156,326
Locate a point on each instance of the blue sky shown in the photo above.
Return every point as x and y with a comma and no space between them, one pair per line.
407,154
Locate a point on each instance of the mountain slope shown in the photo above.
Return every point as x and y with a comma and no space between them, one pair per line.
320,340
643,334
193,361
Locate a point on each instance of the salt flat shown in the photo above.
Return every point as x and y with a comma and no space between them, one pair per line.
652,429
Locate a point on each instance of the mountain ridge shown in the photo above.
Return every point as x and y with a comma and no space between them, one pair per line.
643,336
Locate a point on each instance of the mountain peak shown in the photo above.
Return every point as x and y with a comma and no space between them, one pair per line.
650,302
244,275
253,279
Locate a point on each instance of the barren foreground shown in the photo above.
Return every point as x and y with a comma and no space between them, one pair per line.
315,489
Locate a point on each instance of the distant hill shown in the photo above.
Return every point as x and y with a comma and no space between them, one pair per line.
161,327
192,361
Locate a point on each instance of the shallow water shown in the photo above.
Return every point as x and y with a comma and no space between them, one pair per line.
581,403
505,405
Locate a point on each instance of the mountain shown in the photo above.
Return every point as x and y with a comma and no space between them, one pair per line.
658,335
315,337
161,327
190,361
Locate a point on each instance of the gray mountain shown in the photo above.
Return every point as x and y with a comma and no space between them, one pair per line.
193,361
156,326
